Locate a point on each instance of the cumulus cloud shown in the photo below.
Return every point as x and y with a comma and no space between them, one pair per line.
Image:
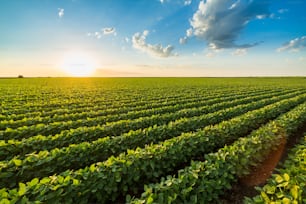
105,31
60,12
240,52
109,31
189,32
97,35
139,42
219,22
281,11
294,45
187,2
262,16
183,40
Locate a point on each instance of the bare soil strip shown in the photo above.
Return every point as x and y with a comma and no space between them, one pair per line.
245,186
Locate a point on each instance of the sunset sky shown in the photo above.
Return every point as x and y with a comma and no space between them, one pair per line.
152,38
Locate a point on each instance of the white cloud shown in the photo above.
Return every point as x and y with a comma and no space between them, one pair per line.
109,31
60,12
240,52
234,5
261,16
97,35
187,2
161,1
219,22
127,40
105,31
139,42
183,40
189,32
294,45
281,11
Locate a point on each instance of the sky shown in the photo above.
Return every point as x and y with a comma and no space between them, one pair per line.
152,38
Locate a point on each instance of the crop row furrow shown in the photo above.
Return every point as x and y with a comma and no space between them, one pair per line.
120,175
84,154
13,147
121,121
288,183
204,182
30,108
113,108
81,114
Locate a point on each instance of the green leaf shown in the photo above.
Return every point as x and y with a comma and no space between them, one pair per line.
44,180
280,194
284,184
258,199
279,179
269,189
92,168
286,201
286,177
150,200
17,162
128,198
67,179
5,201
265,197
22,189
76,182
34,182
294,191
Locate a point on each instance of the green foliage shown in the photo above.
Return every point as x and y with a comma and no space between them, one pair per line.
288,185
118,175
72,136
99,140
205,181
45,163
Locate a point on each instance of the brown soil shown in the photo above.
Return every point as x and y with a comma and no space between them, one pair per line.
260,174
245,187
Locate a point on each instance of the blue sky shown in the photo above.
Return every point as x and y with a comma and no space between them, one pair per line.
152,38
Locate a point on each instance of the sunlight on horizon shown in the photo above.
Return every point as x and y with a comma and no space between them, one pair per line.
78,64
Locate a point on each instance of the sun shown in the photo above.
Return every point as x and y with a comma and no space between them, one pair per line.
78,65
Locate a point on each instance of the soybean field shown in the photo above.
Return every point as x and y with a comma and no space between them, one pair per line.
152,140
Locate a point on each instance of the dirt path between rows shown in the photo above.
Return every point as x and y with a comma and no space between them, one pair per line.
261,173
258,176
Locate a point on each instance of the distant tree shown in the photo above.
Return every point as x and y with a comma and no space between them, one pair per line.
20,76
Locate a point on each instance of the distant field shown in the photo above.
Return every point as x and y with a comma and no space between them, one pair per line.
145,140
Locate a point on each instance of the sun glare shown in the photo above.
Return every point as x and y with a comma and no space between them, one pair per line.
78,65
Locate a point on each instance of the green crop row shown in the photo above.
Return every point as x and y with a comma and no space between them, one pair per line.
77,156
82,134
118,176
288,185
35,103
81,113
108,115
62,105
204,182
57,127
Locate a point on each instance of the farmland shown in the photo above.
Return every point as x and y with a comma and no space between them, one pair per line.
146,140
